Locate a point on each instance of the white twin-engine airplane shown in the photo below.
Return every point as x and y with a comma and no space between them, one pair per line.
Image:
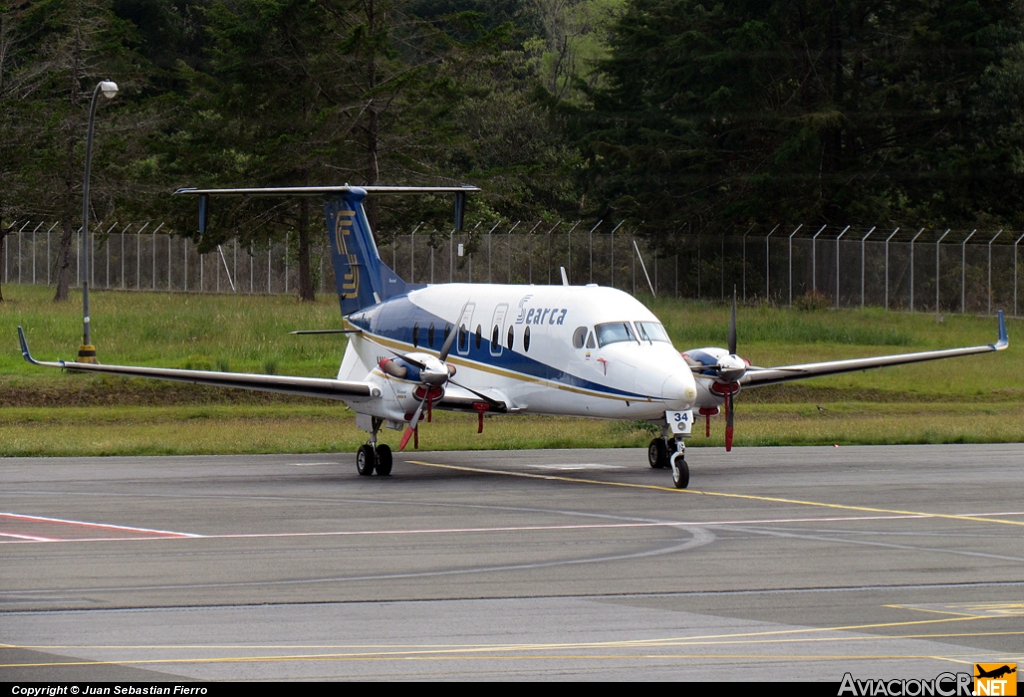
483,348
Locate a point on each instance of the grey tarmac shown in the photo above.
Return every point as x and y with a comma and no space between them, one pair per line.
776,564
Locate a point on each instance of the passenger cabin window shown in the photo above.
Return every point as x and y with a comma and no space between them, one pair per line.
511,338
613,332
416,334
430,335
652,331
526,339
463,338
494,339
478,336
578,337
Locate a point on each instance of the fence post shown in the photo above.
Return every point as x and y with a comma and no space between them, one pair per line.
767,265
963,272
937,276
508,278
887,266
990,270
611,237
814,259
412,254
34,245
791,263
912,268
549,252
837,263
1015,274
490,251
744,263
592,249
862,239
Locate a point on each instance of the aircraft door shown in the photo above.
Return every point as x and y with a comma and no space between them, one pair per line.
497,333
462,341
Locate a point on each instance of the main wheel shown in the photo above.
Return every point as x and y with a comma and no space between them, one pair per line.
383,460
657,454
680,471
365,460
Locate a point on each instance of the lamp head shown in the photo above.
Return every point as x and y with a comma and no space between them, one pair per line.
108,88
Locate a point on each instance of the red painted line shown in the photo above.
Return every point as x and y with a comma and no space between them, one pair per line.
104,526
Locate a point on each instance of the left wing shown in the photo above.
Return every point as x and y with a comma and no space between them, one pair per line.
308,387
767,376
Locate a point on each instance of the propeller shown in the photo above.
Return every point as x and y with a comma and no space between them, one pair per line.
433,378
727,370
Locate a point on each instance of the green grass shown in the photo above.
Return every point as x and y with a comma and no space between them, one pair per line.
48,412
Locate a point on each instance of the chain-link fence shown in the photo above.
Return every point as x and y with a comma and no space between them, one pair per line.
918,270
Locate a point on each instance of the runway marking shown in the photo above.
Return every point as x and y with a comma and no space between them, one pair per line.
697,492
572,467
444,531
32,538
89,525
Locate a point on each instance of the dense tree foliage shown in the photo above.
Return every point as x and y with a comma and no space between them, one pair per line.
682,114
720,114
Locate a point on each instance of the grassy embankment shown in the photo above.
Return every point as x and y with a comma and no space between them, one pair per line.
974,399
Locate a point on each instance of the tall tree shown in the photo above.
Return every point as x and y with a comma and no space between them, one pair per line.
724,114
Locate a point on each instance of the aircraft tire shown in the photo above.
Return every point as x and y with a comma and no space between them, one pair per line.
657,454
680,471
365,460
384,460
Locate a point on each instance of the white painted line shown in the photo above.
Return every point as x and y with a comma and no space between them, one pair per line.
31,538
104,526
312,464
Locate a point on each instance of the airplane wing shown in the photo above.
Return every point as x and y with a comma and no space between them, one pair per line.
308,387
767,376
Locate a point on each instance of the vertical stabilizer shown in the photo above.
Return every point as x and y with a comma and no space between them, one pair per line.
363,279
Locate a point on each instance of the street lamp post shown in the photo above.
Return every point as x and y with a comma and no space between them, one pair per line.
87,352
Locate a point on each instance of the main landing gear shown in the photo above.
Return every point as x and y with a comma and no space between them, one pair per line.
372,457
660,456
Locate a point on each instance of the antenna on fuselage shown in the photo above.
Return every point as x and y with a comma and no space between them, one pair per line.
565,278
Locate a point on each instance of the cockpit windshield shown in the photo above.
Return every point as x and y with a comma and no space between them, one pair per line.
612,332
652,331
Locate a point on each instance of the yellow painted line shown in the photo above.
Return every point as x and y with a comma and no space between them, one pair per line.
469,648
937,612
748,497
496,657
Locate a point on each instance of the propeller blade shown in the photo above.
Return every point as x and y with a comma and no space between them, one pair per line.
490,400
451,335
413,423
407,359
729,421
732,325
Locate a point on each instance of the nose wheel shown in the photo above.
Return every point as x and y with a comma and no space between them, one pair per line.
680,471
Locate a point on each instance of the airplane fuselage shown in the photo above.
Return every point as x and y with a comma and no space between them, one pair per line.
569,350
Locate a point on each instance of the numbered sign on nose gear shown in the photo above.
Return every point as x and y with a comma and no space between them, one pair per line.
680,421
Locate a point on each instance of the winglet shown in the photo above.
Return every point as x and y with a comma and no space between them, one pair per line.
1004,339
24,347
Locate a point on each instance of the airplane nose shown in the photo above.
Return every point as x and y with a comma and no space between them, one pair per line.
679,391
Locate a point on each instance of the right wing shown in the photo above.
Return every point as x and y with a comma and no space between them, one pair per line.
767,376
308,387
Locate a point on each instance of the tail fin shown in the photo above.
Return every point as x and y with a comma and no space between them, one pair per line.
362,278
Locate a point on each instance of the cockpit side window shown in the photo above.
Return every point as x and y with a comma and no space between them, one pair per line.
652,331
590,341
612,332
578,337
